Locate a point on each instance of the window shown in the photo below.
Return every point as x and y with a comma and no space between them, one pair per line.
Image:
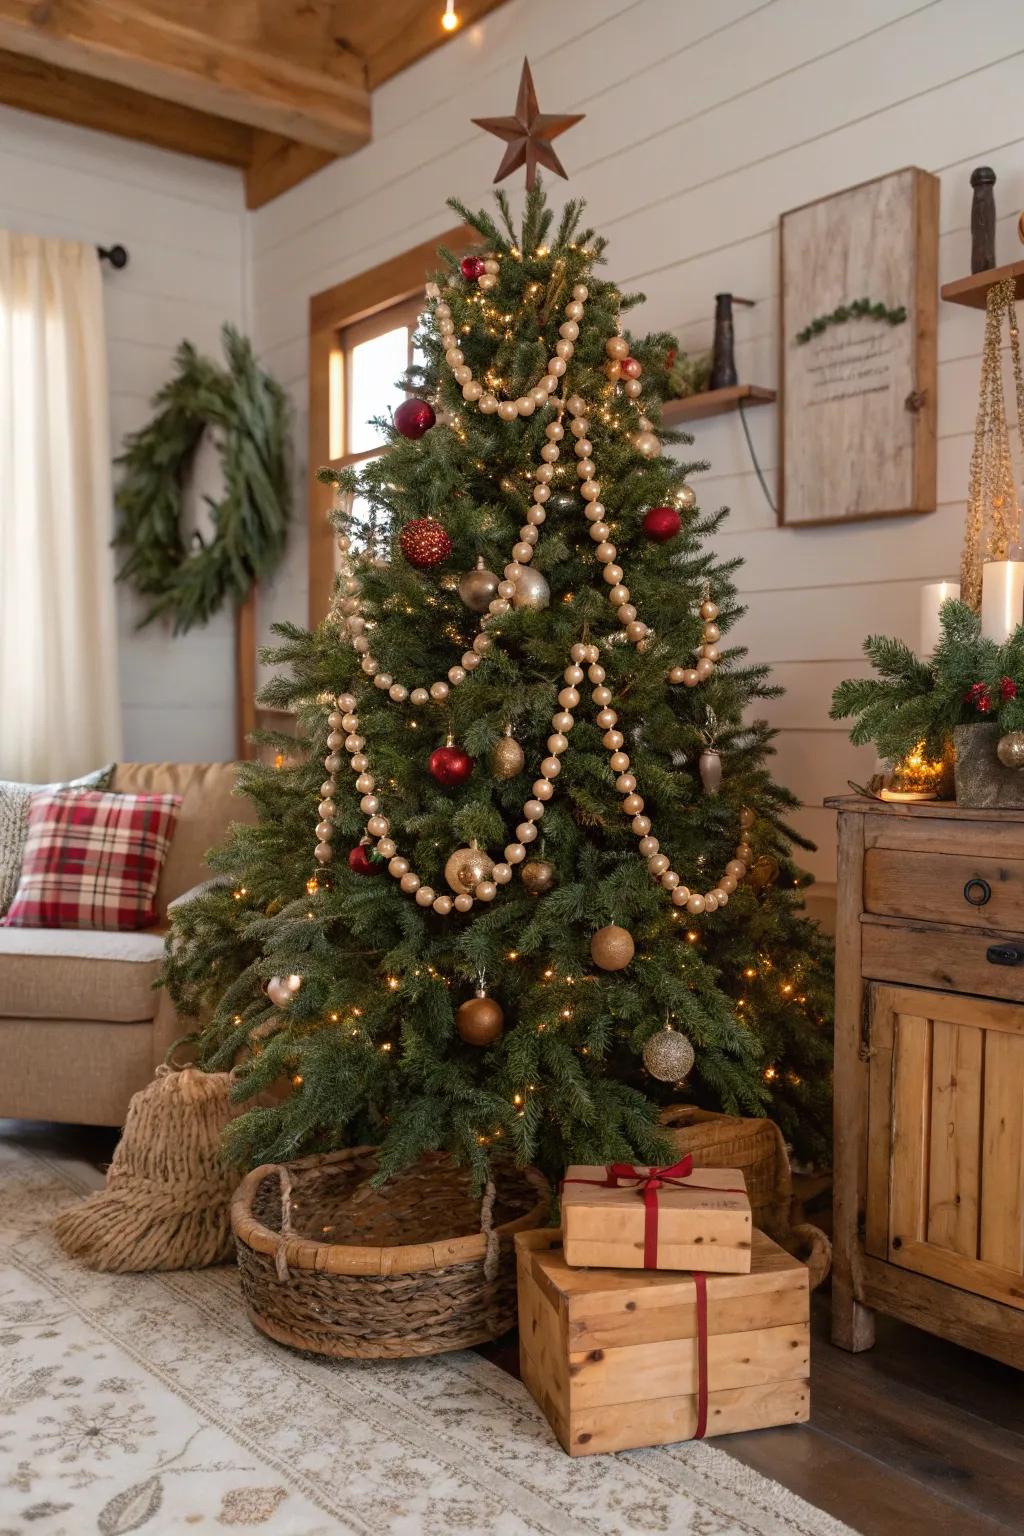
372,356
360,344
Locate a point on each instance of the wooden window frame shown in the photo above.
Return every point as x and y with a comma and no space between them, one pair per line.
330,313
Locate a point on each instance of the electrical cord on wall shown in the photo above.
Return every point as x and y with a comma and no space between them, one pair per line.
754,460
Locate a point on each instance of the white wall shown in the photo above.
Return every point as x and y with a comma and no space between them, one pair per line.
183,222
705,120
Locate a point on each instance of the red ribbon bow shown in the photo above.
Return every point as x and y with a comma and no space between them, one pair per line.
647,1183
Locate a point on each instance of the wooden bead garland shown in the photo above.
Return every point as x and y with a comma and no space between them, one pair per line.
344,722
486,888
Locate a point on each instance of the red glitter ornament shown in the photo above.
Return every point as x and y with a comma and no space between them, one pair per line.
662,523
414,417
471,268
424,543
632,368
360,863
451,766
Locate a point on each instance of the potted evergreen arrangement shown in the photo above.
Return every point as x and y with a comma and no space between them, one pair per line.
968,697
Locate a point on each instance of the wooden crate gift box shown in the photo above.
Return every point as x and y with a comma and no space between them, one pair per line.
618,1359
681,1217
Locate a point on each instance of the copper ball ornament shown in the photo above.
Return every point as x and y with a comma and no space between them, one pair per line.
538,876
424,543
668,1055
532,590
1010,749
480,1020
451,766
478,587
612,948
414,417
763,872
507,759
467,867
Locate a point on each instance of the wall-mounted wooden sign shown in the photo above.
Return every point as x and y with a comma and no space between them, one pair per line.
858,352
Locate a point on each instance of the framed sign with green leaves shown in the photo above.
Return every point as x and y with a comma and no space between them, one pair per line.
858,315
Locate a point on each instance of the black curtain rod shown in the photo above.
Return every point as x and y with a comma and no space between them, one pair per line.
115,254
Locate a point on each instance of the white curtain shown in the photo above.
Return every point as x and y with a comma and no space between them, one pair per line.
59,697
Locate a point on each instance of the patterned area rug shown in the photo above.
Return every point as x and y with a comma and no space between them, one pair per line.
148,1403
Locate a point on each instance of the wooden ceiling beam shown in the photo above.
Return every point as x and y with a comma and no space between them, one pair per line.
32,86
150,50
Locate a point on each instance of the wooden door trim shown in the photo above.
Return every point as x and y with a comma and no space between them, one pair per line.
356,298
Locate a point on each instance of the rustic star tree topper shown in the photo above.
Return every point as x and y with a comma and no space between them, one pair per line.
529,133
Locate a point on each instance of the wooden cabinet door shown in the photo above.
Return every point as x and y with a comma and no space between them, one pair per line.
945,1154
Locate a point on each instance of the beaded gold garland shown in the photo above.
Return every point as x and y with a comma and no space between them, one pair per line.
543,789
344,722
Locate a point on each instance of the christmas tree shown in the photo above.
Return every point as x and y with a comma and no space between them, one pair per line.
527,868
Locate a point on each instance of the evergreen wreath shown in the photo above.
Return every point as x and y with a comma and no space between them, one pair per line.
248,413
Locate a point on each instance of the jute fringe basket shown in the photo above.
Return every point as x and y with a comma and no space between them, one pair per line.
758,1149
167,1199
332,1265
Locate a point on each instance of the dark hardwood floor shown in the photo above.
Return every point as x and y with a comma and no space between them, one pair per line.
915,1437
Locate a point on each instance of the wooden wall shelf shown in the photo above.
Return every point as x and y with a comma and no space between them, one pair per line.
973,290
713,402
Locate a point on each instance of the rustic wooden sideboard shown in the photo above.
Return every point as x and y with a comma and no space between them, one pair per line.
929,1074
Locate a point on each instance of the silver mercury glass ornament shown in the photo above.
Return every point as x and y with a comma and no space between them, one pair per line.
478,587
532,590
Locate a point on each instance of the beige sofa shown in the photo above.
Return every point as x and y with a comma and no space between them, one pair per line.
81,1026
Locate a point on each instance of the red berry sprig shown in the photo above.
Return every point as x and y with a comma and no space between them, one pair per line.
979,696
1007,689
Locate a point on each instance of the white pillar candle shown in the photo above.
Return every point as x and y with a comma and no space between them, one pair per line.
932,598
1002,598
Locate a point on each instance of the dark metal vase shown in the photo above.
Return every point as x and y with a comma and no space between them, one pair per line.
723,357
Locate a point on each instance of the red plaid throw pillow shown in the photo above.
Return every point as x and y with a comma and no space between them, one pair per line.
93,860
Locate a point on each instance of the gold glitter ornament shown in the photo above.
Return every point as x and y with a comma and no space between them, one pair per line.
507,758
668,1055
467,867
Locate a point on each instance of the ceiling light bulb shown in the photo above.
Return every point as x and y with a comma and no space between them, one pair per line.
450,18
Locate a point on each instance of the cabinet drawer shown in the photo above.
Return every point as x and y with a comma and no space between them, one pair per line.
945,888
927,955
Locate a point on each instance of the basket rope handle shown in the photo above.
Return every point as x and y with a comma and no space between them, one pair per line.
280,1256
492,1254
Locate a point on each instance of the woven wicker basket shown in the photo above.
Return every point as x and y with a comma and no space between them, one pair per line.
334,1266
758,1149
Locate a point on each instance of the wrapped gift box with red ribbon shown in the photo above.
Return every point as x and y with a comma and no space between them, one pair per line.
623,1358
679,1217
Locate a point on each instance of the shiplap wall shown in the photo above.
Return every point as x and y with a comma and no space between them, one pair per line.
183,221
705,121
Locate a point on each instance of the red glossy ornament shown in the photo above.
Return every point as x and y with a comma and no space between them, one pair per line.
451,766
471,268
360,863
414,417
662,523
632,368
424,543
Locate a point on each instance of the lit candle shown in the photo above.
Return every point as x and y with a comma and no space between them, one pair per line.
1002,598
932,598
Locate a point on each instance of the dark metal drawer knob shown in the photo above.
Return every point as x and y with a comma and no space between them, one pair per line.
1005,954
977,891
